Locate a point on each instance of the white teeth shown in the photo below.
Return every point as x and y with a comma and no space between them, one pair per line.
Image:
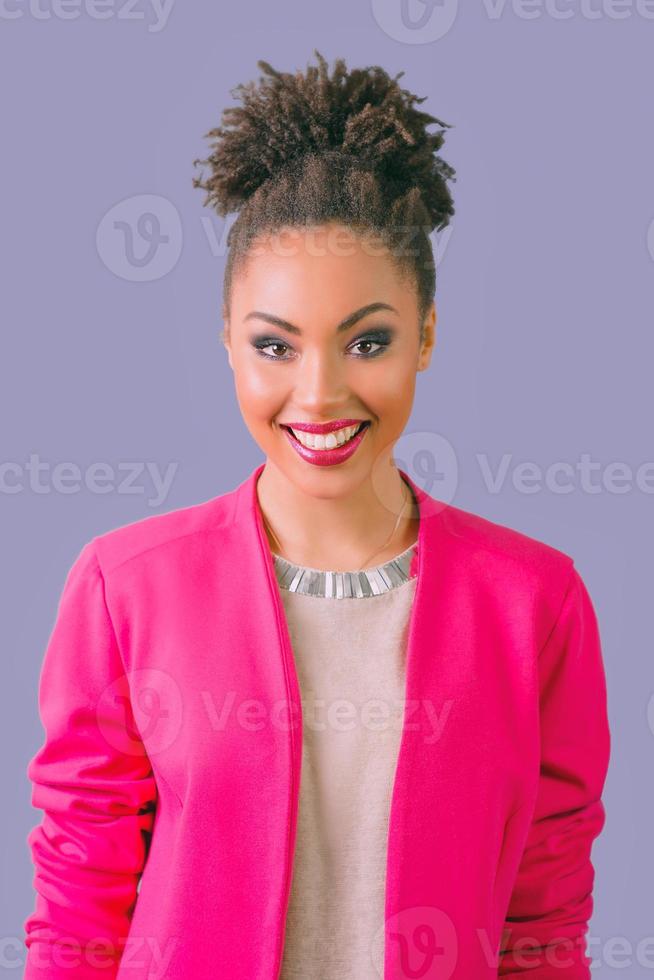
330,441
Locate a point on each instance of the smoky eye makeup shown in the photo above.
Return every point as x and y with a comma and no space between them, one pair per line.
381,336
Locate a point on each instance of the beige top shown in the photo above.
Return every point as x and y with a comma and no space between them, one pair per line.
350,657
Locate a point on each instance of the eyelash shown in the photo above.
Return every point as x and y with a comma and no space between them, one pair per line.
381,340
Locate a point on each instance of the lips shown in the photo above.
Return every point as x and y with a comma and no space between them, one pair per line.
324,431
328,457
322,428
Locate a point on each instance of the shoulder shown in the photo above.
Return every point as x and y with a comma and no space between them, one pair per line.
498,560
159,534
499,542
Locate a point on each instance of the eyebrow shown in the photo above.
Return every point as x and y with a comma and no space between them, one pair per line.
345,324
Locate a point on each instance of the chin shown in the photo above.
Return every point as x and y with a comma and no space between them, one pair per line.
323,482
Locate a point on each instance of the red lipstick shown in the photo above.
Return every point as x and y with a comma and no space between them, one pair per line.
322,428
327,457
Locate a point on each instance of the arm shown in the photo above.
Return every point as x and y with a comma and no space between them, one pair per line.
551,903
95,785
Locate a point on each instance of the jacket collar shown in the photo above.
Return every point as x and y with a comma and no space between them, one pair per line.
247,512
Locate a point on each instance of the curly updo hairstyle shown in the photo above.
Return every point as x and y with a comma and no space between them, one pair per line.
306,149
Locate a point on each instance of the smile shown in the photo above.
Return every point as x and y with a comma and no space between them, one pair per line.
330,449
333,439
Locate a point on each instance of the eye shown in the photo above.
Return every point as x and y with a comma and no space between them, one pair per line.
368,342
262,346
380,339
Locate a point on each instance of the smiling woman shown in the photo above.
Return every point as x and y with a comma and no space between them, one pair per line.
338,185
252,842
339,357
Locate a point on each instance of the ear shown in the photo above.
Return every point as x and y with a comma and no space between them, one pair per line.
429,342
225,338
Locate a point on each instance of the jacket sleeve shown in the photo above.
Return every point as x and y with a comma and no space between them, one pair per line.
94,783
551,903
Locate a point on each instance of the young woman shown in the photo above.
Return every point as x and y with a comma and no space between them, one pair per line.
323,725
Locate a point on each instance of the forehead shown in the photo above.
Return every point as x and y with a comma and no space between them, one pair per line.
329,268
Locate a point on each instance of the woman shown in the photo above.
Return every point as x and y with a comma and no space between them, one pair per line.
323,725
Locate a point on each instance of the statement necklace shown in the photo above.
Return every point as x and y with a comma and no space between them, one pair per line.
367,561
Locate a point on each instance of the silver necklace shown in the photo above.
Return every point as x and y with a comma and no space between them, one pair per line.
385,545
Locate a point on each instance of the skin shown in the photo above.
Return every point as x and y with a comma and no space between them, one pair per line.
328,517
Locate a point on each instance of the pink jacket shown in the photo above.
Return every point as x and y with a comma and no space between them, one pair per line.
169,775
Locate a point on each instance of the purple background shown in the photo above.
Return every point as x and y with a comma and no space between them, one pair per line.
544,298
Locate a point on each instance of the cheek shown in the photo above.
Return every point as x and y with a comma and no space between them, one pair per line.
259,391
393,392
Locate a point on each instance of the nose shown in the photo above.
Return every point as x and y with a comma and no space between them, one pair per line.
321,384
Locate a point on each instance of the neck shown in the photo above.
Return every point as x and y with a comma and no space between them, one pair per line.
340,531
